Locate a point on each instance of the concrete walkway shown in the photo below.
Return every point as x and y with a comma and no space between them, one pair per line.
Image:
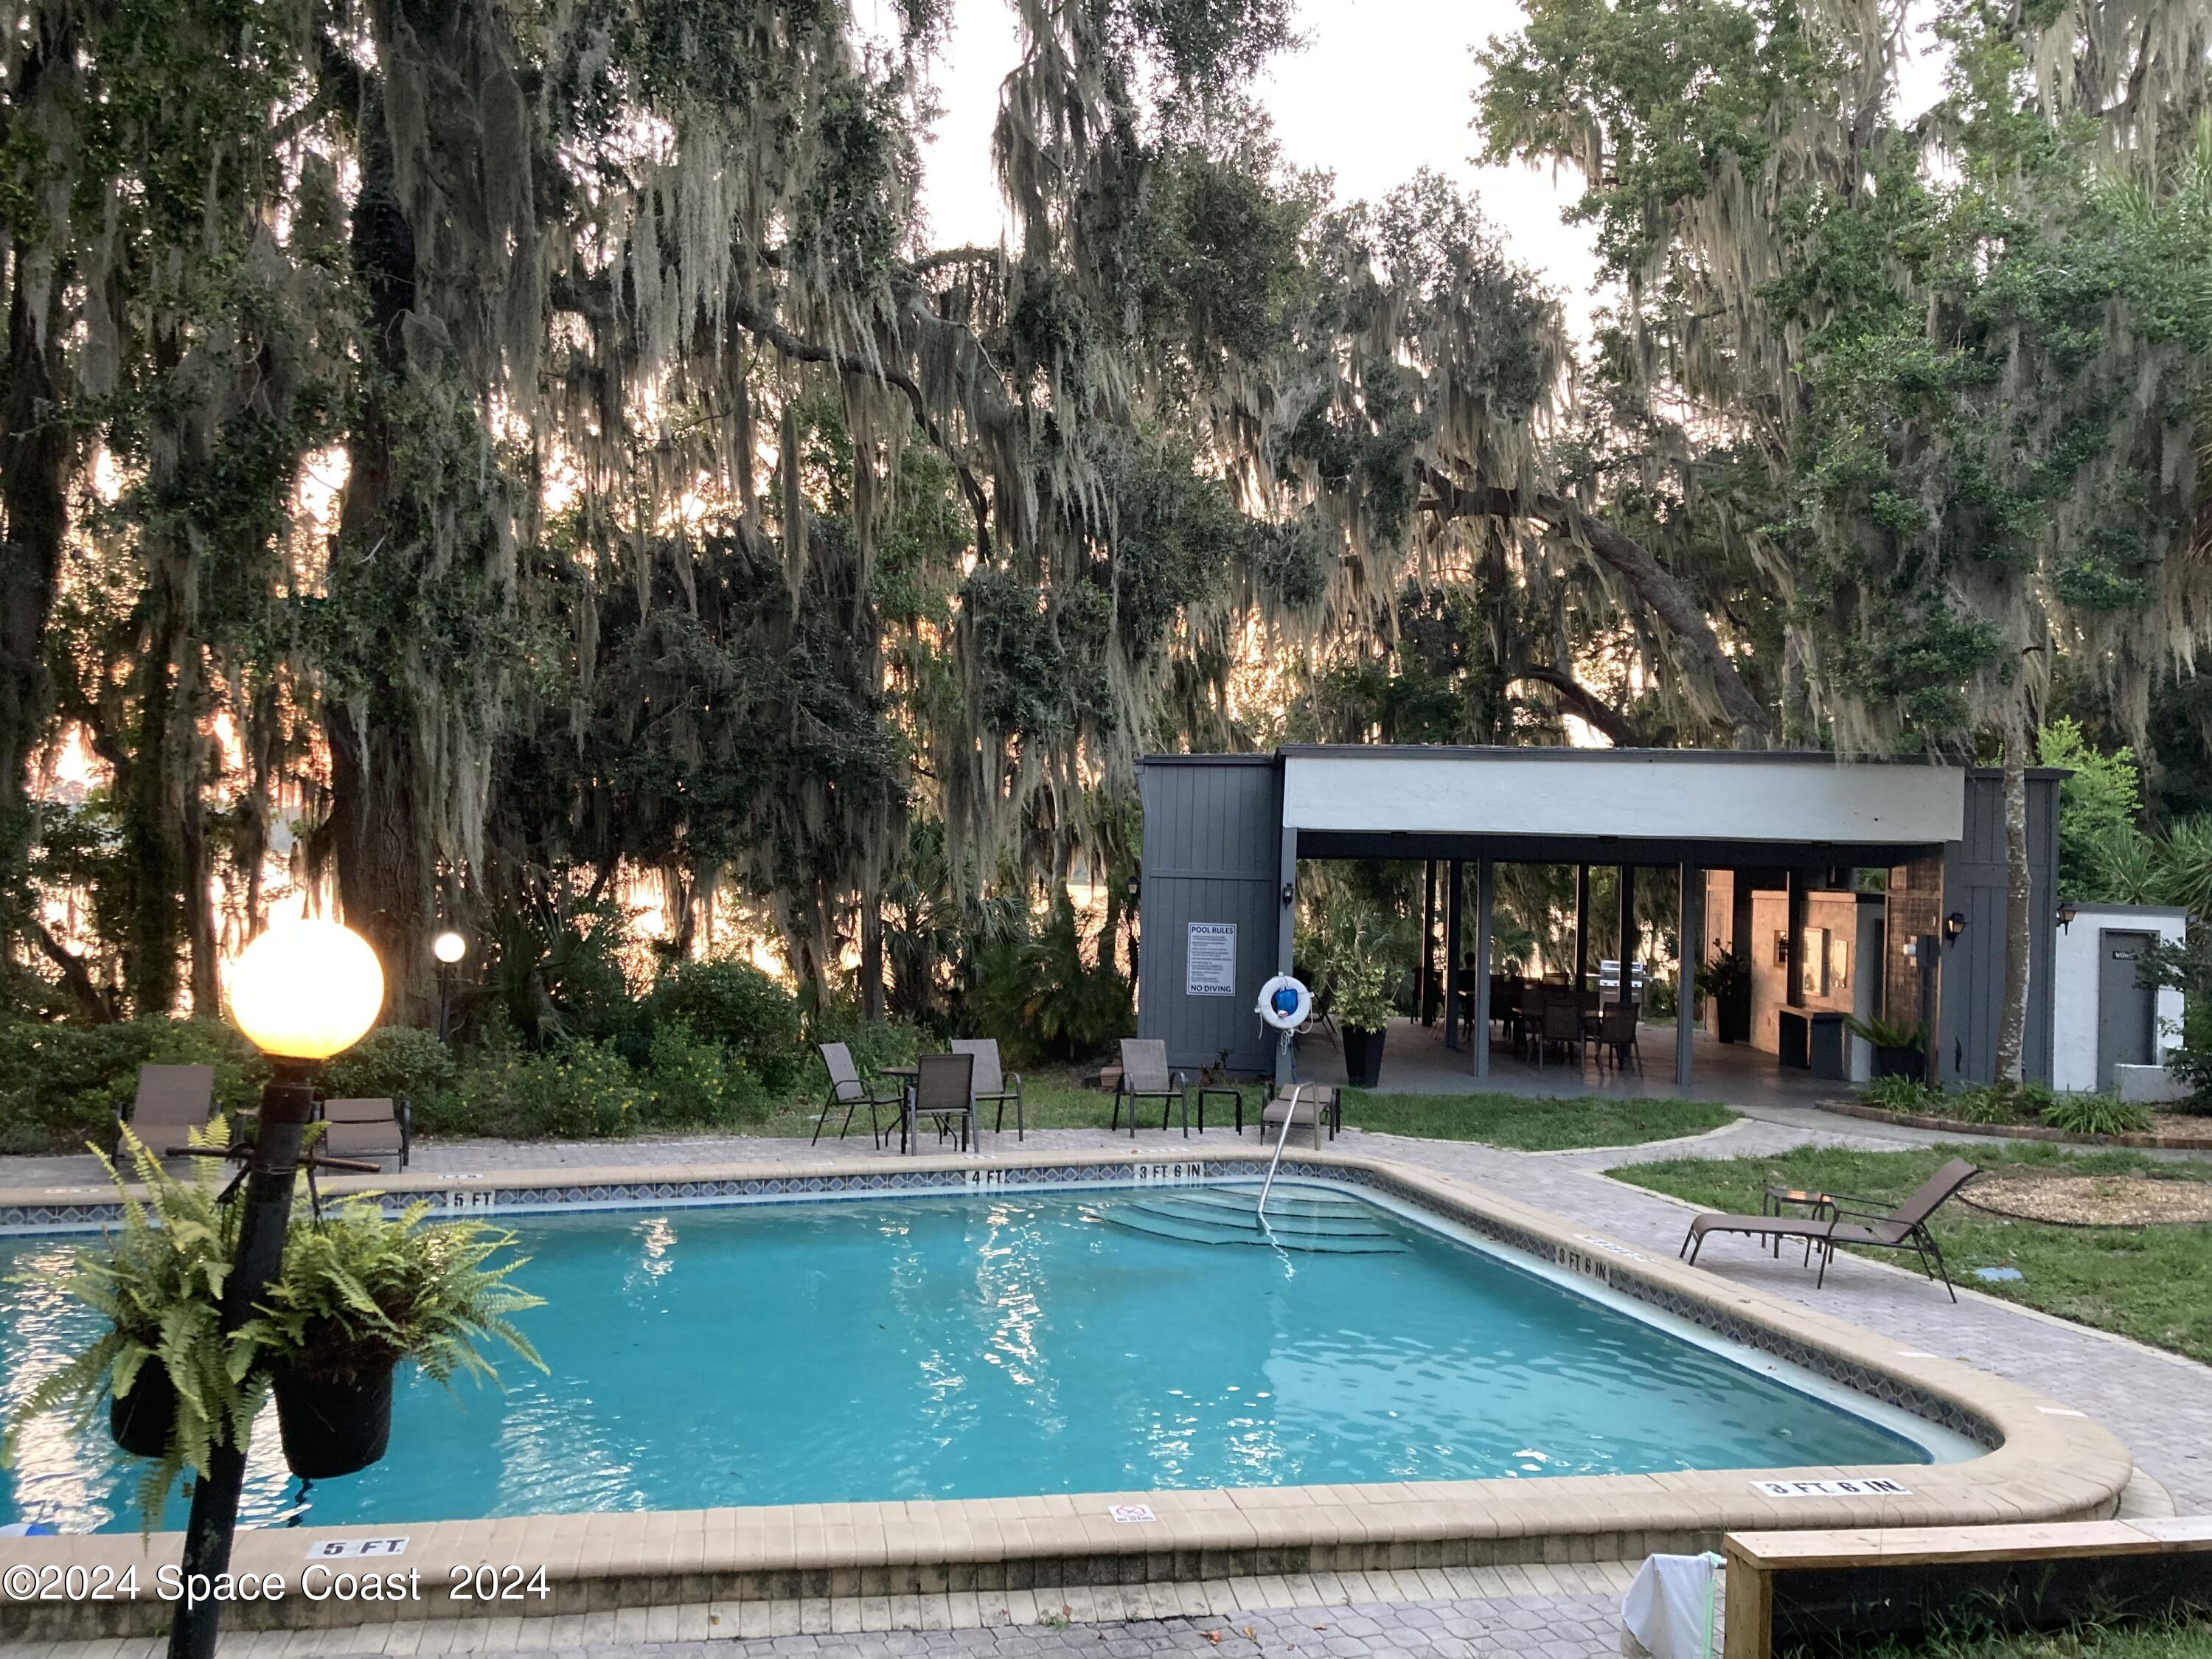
2160,1404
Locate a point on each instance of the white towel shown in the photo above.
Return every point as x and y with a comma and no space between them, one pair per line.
1668,1613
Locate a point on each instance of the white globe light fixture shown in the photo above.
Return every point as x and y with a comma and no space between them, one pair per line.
449,947
306,990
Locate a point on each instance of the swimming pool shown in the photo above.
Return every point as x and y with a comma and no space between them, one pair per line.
1017,1342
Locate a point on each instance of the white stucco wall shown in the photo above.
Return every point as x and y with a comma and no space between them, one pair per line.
2074,987
1548,792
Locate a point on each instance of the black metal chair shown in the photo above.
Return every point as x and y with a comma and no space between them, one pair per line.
1616,1036
1145,1076
992,1084
943,1089
847,1089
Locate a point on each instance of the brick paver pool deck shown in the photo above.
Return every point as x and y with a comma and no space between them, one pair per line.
2160,1404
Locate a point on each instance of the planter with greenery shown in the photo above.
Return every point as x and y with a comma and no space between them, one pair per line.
1362,1008
1900,1051
1727,980
172,1382
360,1292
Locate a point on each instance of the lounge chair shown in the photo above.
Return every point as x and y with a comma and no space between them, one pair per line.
991,1083
944,1089
847,1089
172,1101
368,1128
1145,1076
1905,1228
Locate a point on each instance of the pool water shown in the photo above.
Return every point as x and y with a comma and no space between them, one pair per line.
981,1346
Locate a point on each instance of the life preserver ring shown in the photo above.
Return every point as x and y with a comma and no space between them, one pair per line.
1284,1003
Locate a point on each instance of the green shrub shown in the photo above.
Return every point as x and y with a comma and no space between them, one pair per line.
1998,1102
2096,1114
583,1091
1886,1033
692,1084
1903,1094
1048,995
393,1062
735,1006
60,1086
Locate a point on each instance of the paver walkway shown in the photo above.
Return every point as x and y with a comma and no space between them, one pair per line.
2159,1403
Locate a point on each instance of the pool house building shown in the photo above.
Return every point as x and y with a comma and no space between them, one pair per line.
1845,887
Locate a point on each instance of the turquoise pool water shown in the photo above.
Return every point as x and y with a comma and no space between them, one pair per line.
992,1346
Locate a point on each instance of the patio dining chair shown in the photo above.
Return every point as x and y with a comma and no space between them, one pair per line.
945,1089
1145,1076
1562,1028
1616,1036
993,1084
847,1089
374,1129
171,1101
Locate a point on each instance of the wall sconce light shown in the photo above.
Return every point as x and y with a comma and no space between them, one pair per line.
2067,911
1954,925
1781,950
1132,887
1290,894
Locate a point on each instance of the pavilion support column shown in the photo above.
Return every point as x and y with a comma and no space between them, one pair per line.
1627,991
1692,933
1452,884
1286,930
1484,900
1424,964
1582,927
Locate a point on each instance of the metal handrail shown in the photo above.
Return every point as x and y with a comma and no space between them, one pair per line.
1289,1117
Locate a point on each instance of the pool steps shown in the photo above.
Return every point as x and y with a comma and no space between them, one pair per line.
1315,1225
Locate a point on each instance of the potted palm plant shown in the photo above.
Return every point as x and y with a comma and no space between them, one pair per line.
1726,979
360,1292
159,1280
1899,1049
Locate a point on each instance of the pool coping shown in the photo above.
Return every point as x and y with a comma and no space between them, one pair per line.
2046,1461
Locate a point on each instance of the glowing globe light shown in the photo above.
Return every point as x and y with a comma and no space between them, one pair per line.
449,947
305,990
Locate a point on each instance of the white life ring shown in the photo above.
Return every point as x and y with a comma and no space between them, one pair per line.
1284,1003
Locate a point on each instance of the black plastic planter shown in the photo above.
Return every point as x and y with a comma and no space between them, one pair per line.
1909,1063
141,1420
1362,1057
331,1429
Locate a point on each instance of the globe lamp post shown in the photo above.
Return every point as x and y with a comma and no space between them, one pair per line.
449,947
301,991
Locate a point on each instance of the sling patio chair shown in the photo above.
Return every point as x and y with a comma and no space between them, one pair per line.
944,1089
374,1129
847,1089
1854,1221
1145,1076
173,1100
993,1084
1562,1029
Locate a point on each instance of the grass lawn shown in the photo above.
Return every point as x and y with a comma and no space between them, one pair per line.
2153,1284
1056,1099
2187,1639
1532,1125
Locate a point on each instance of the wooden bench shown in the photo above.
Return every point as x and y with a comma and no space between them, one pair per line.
1830,1592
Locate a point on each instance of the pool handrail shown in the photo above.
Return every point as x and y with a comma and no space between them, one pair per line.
1290,1116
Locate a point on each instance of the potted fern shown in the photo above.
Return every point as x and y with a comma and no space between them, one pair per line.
173,1384
360,1292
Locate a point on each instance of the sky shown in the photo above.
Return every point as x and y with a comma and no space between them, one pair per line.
1354,100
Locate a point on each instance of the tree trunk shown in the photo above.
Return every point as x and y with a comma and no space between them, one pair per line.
385,877
871,954
34,449
2012,1023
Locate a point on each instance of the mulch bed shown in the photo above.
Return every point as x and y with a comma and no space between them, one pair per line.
2093,1200
2174,1131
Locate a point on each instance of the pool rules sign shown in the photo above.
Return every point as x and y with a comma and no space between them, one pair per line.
1210,960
